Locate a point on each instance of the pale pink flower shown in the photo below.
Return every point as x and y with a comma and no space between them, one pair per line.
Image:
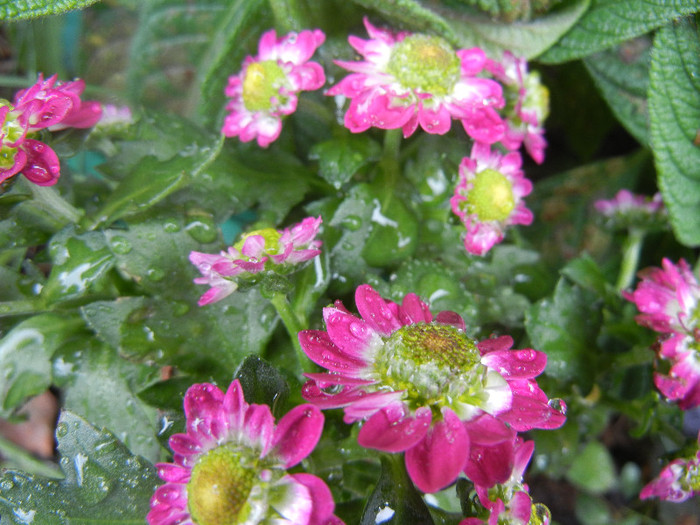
232,463
489,197
626,202
668,299
677,482
48,104
527,105
267,87
422,386
406,80
261,250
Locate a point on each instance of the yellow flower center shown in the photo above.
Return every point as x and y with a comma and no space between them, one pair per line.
271,236
427,64
491,198
219,487
261,85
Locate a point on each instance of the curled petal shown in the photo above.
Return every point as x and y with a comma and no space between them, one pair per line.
297,434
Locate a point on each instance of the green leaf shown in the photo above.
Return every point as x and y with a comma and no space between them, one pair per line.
104,483
153,180
609,22
262,383
24,9
80,261
593,469
341,158
395,499
565,328
93,377
674,112
463,29
25,357
622,76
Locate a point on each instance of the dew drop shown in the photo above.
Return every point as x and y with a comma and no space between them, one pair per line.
202,228
171,226
120,245
351,222
155,274
61,430
6,484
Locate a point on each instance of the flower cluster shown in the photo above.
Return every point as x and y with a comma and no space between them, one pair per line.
231,465
489,197
266,88
668,301
48,104
421,386
266,249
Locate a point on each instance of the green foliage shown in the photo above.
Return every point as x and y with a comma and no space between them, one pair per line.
104,483
23,9
610,22
674,111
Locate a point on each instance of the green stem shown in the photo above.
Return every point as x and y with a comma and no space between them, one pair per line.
390,162
293,325
48,199
21,307
630,258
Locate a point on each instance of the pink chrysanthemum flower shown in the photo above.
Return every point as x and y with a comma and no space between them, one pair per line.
527,105
406,80
48,104
627,210
509,501
489,197
266,249
266,88
421,385
668,299
677,482
231,465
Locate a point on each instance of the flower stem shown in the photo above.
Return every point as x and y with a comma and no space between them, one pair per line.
390,162
630,258
293,325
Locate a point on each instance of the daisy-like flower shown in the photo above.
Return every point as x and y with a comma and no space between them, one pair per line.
509,501
677,482
668,301
422,386
406,80
627,210
231,465
48,104
266,89
257,251
527,105
489,197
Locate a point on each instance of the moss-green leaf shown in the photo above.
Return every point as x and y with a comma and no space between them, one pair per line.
24,9
609,22
674,111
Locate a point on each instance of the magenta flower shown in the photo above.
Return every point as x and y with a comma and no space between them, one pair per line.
527,105
266,88
406,80
257,251
626,202
422,386
668,300
48,104
489,197
677,482
231,465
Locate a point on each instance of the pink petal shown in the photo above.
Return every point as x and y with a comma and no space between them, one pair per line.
516,364
203,412
352,335
375,311
317,345
297,434
436,461
259,426
185,445
490,464
42,167
234,406
173,473
321,497
393,429
413,310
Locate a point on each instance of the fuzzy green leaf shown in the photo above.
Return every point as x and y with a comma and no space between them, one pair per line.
622,76
104,483
339,159
674,111
464,29
24,9
609,22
